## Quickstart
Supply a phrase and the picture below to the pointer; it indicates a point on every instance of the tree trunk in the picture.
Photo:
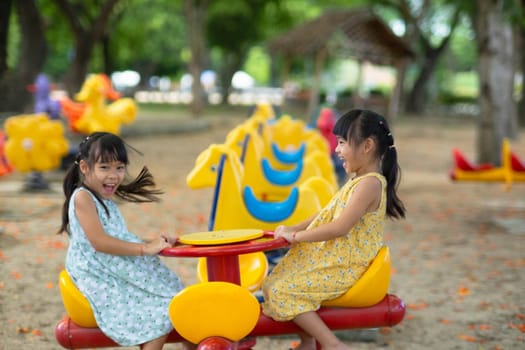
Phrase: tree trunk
(88, 31)
(496, 76)
(5, 15)
(395, 97)
(521, 35)
(417, 97)
(33, 50)
(79, 66)
(106, 55)
(230, 65)
(195, 11)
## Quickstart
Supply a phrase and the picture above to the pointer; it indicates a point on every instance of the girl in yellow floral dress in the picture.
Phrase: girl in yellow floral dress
(331, 251)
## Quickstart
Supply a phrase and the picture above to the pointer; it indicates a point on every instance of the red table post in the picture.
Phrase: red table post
(223, 268)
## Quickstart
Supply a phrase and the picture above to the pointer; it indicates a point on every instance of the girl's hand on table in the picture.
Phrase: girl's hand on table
(285, 232)
(170, 240)
(156, 245)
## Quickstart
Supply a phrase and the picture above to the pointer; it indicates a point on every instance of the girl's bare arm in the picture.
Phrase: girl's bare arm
(86, 212)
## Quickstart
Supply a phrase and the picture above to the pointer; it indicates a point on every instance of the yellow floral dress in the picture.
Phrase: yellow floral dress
(312, 272)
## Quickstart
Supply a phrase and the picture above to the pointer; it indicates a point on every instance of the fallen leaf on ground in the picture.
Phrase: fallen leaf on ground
(56, 244)
(468, 338)
(22, 330)
(463, 291)
(418, 306)
(520, 327)
(385, 330)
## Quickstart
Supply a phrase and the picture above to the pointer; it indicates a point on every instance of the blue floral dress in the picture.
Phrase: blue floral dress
(312, 272)
(129, 295)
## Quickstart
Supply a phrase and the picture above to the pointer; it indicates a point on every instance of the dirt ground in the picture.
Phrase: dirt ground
(458, 258)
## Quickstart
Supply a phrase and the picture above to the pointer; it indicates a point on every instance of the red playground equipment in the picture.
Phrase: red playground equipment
(5, 167)
(220, 314)
(511, 170)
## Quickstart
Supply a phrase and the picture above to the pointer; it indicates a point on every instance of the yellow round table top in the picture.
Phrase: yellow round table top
(220, 236)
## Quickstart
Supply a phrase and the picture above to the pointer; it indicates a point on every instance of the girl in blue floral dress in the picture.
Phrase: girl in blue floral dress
(125, 282)
(331, 251)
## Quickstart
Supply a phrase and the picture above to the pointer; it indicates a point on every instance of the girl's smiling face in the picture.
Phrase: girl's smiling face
(359, 157)
(348, 154)
(104, 177)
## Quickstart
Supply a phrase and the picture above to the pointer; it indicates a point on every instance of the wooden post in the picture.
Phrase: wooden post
(313, 102)
(395, 97)
(357, 101)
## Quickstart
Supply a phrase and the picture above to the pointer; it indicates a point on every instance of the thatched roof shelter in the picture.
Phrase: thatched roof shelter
(357, 33)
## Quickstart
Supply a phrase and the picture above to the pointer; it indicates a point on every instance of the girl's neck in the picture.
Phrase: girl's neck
(372, 168)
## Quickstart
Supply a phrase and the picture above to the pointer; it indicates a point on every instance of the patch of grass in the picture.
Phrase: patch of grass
(465, 84)
(165, 110)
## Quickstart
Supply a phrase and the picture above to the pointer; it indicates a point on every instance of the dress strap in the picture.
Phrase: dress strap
(377, 175)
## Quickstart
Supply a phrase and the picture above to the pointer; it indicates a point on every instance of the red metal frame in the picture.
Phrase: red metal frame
(387, 313)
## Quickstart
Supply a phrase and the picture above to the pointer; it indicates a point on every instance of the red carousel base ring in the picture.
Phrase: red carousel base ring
(387, 313)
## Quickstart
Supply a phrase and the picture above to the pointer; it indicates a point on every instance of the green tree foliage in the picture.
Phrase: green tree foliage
(428, 28)
(232, 28)
(90, 24)
(147, 36)
(59, 40)
(150, 38)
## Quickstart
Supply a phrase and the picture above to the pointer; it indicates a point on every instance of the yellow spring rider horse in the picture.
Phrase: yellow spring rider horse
(236, 206)
(97, 114)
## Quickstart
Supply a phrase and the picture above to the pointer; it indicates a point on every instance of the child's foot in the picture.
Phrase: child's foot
(306, 345)
(339, 346)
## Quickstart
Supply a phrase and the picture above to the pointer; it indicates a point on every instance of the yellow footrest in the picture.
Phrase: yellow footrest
(214, 309)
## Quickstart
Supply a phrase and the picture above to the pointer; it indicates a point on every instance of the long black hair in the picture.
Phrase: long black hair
(360, 124)
(105, 147)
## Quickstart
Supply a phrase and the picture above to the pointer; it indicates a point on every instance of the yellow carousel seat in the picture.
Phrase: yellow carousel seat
(76, 305)
(253, 268)
(210, 309)
(371, 288)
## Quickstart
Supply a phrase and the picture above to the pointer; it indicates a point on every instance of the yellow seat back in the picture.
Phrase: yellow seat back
(253, 268)
(371, 288)
(76, 305)
(214, 309)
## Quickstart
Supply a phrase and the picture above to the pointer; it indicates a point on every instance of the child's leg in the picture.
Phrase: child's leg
(312, 324)
(155, 344)
(188, 346)
(307, 342)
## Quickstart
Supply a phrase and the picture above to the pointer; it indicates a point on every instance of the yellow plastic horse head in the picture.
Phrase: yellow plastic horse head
(98, 115)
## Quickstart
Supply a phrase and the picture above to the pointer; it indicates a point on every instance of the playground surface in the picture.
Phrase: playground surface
(458, 258)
